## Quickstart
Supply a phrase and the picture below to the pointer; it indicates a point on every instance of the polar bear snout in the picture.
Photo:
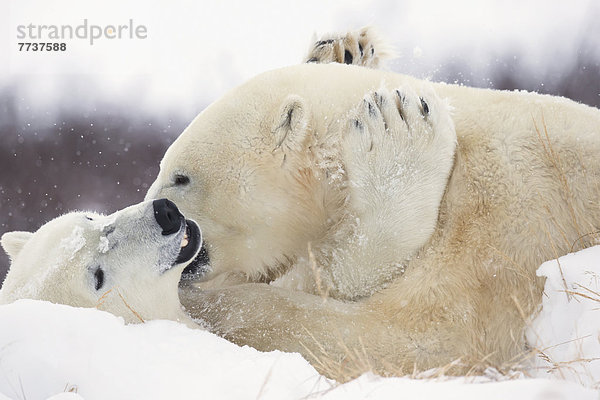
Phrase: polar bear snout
(172, 222)
(168, 216)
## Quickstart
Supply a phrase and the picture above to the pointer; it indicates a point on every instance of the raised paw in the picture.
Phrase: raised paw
(390, 118)
(391, 137)
(398, 149)
(363, 47)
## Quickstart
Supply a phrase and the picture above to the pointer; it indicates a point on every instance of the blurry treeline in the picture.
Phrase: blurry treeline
(52, 162)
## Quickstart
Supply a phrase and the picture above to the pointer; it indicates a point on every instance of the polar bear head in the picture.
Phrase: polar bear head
(246, 170)
(128, 263)
(260, 168)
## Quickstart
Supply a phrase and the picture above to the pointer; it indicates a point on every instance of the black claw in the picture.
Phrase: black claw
(313, 59)
(324, 42)
(372, 51)
(401, 97)
(371, 108)
(425, 107)
(360, 48)
(378, 99)
(402, 102)
(347, 57)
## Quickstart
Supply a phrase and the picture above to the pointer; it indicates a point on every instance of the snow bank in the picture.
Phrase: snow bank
(376, 388)
(47, 349)
(567, 330)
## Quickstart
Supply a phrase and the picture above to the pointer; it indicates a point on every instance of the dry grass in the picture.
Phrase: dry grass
(586, 236)
(103, 298)
(354, 363)
(553, 156)
(105, 295)
(588, 293)
(137, 315)
(70, 388)
(265, 382)
(592, 237)
(575, 365)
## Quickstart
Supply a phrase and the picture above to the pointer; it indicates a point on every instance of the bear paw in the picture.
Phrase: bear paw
(363, 47)
(384, 125)
(391, 138)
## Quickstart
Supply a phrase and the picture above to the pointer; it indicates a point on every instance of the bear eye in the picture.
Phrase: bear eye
(181, 180)
(99, 278)
(89, 218)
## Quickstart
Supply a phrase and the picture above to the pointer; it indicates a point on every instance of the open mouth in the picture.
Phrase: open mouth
(191, 242)
(199, 266)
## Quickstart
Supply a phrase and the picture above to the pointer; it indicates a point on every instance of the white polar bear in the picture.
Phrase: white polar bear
(128, 263)
(395, 244)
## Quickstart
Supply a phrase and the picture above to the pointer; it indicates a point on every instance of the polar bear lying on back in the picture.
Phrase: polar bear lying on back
(422, 231)
(128, 263)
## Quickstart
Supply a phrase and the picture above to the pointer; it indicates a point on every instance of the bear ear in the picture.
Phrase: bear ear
(13, 242)
(291, 125)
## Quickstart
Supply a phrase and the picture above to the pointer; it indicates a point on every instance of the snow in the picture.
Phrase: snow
(65, 353)
(567, 329)
(73, 243)
(103, 245)
(372, 387)
(51, 346)
(65, 396)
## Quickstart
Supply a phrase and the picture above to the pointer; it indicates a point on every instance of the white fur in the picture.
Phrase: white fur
(57, 264)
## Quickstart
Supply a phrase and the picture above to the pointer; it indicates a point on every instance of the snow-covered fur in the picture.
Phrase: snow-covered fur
(120, 263)
(381, 233)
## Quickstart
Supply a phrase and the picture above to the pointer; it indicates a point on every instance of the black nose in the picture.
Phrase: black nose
(168, 216)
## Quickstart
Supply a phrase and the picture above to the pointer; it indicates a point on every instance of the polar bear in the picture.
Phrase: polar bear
(371, 220)
(128, 263)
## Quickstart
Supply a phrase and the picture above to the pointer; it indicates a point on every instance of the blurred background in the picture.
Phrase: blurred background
(86, 128)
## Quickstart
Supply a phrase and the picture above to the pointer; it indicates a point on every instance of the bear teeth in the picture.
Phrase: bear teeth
(184, 241)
